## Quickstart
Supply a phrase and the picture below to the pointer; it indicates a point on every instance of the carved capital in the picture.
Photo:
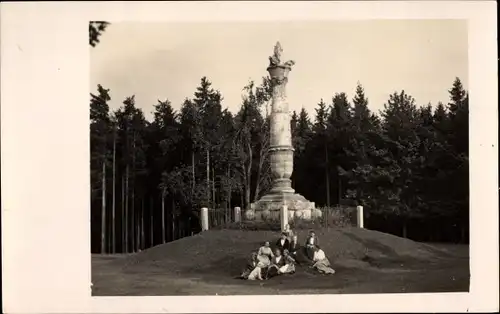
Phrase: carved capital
(279, 81)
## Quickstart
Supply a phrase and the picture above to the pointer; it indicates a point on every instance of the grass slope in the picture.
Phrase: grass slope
(366, 262)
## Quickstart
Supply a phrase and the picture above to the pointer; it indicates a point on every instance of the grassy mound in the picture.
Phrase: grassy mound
(224, 252)
(208, 263)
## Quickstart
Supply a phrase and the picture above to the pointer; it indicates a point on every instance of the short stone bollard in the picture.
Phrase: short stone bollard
(237, 214)
(359, 210)
(284, 217)
(204, 219)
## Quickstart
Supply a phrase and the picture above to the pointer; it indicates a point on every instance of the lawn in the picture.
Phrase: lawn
(208, 263)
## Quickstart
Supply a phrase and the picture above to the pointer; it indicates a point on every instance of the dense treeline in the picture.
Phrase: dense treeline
(408, 164)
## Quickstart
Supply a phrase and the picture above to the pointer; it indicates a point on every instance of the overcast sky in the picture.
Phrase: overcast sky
(167, 60)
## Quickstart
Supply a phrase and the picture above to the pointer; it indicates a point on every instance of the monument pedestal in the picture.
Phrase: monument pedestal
(269, 207)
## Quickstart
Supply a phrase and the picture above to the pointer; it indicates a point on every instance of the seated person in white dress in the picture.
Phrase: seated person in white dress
(321, 262)
(289, 267)
(265, 254)
(263, 259)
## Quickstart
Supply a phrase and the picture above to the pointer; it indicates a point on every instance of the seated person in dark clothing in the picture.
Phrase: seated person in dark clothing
(250, 267)
(277, 262)
(283, 243)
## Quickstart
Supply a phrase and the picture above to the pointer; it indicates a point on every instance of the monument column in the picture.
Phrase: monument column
(280, 152)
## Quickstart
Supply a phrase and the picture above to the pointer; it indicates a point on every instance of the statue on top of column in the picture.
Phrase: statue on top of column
(275, 59)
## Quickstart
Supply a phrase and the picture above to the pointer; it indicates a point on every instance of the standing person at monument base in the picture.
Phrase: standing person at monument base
(289, 233)
(294, 245)
(311, 244)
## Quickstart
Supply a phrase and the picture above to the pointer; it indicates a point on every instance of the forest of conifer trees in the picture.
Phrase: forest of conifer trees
(407, 164)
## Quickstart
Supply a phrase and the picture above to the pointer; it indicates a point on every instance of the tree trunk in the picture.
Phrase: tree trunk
(151, 215)
(208, 180)
(133, 213)
(213, 187)
(404, 229)
(248, 177)
(339, 187)
(193, 178)
(133, 217)
(327, 177)
(242, 200)
(229, 192)
(103, 209)
(113, 208)
(462, 233)
(259, 174)
(126, 208)
(143, 237)
(163, 216)
(173, 220)
(122, 221)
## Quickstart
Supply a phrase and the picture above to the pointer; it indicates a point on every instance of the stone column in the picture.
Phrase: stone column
(359, 212)
(204, 218)
(237, 214)
(284, 217)
(280, 151)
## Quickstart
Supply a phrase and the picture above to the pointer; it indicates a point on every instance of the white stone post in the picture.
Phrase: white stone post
(237, 214)
(359, 210)
(204, 219)
(284, 217)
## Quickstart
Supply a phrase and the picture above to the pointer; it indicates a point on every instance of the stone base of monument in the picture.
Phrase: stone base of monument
(269, 207)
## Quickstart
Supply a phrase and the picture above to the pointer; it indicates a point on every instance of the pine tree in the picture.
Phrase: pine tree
(319, 144)
(164, 137)
(113, 206)
(364, 151)
(459, 141)
(229, 180)
(132, 132)
(191, 139)
(96, 28)
(401, 120)
(293, 123)
(208, 101)
(100, 128)
(301, 137)
(248, 139)
(340, 130)
(263, 95)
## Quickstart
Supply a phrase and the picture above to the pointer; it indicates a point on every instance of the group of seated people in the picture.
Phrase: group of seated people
(268, 262)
